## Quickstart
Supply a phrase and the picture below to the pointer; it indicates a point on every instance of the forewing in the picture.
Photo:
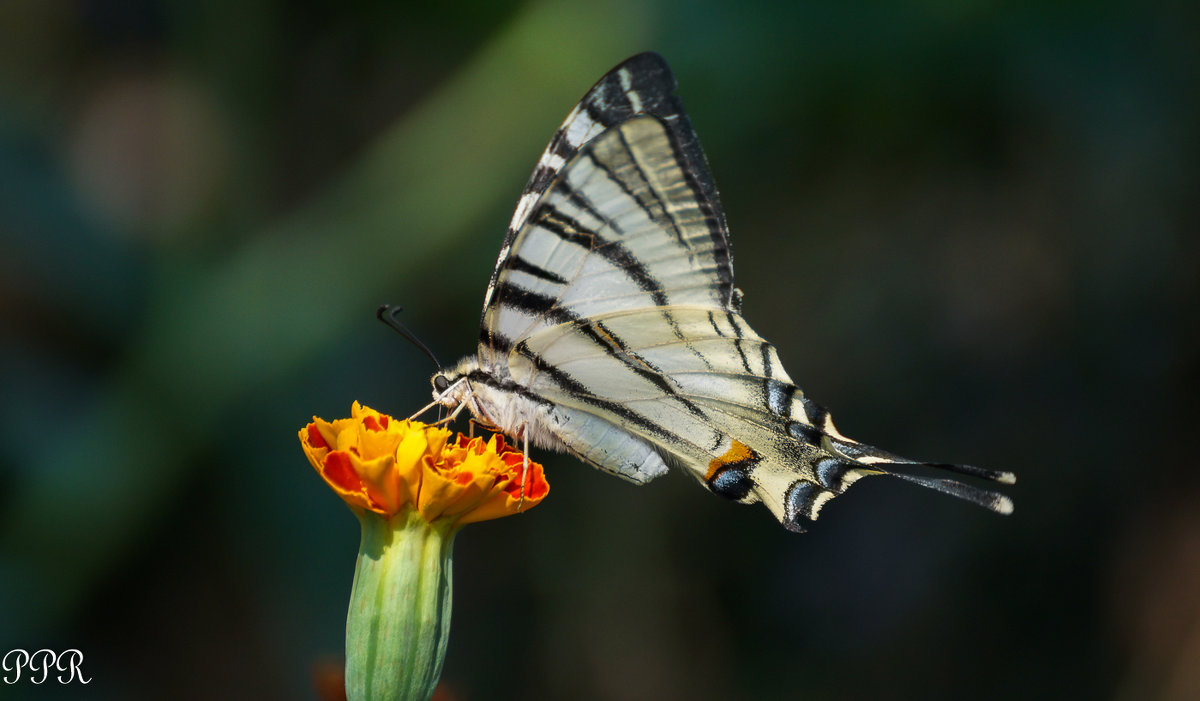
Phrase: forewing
(623, 226)
(641, 87)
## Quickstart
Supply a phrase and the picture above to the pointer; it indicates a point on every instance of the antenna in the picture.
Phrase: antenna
(387, 314)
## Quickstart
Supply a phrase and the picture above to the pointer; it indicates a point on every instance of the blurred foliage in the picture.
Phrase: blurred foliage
(970, 228)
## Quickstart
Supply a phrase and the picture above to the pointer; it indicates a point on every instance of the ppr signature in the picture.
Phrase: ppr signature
(38, 666)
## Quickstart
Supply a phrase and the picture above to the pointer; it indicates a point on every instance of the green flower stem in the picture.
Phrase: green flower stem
(399, 618)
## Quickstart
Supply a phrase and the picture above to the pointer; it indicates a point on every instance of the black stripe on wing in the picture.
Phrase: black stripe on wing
(533, 303)
(614, 252)
(650, 201)
(569, 385)
(699, 180)
(617, 348)
(520, 265)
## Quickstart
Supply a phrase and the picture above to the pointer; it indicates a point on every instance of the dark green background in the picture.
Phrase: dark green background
(969, 227)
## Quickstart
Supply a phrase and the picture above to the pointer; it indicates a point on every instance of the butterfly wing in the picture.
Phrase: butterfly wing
(640, 86)
(613, 307)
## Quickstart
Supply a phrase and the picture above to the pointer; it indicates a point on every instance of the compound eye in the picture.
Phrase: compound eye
(440, 383)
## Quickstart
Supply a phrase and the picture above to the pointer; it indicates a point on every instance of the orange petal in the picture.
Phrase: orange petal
(314, 437)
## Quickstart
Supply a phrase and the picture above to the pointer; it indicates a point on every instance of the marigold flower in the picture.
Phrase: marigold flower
(379, 464)
(412, 486)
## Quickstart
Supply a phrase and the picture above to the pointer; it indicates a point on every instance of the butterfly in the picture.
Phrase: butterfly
(612, 329)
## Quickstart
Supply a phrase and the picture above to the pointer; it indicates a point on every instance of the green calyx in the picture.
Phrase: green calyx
(399, 618)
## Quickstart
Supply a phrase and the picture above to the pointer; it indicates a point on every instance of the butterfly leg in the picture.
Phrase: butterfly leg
(437, 402)
(483, 425)
(453, 415)
(524, 465)
(423, 409)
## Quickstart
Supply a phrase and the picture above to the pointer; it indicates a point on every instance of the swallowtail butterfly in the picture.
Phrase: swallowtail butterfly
(612, 329)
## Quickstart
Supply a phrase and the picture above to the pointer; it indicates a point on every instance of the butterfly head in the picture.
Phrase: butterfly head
(451, 386)
(467, 385)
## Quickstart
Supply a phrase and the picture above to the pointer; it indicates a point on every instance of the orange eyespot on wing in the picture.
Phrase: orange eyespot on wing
(738, 453)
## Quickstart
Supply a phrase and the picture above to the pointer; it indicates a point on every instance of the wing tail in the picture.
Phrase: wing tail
(795, 499)
(986, 498)
(889, 463)
(836, 475)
